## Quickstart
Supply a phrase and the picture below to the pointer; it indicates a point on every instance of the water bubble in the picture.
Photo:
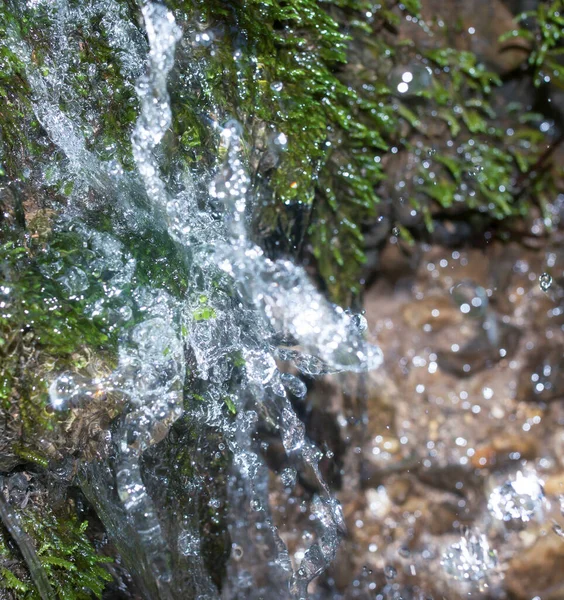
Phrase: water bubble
(294, 385)
(390, 572)
(50, 269)
(75, 281)
(259, 366)
(125, 312)
(545, 281)
(471, 298)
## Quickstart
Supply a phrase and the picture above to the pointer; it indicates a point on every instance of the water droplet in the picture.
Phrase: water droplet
(294, 385)
(281, 140)
(288, 477)
(471, 298)
(390, 572)
(545, 281)
(237, 552)
(75, 281)
(359, 324)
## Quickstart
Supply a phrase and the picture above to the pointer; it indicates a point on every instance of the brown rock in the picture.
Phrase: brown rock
(470, 26)
(438, 311)
(506, 443)
(538, 571)
(542, 378)
(554, 485)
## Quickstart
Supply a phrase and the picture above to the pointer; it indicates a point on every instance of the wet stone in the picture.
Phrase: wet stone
(482, 351)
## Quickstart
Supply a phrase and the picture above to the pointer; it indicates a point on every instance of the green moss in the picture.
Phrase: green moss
(18, 127)
(230, 405)
(73, 567)
(322, 74)
(543, 29)
(43, 332)
(312, 83)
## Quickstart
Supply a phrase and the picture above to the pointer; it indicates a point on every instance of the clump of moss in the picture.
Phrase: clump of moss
(42, 333)
(314, 85)
(18, 127)
(543, 29)
(74, 568)
(277, 73)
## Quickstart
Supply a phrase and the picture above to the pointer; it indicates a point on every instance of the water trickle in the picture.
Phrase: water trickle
(202, 363)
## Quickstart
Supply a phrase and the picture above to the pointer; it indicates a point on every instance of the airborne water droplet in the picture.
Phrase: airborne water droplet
(390, 572)
(545, 281)
(294, 385)
(288, 477)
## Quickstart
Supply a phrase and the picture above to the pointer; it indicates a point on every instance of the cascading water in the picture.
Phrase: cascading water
(203, 366)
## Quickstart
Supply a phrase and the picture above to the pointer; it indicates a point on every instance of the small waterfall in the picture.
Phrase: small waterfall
(199, 367)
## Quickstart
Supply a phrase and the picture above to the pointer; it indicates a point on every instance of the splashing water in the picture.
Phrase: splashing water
(471, 558)
(200, 364)
(520, 500)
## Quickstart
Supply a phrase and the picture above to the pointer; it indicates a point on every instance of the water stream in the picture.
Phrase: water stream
(201, 370)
